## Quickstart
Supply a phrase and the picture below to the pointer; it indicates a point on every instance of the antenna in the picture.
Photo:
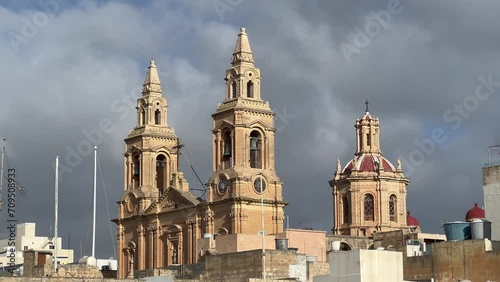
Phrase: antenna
(93, 221)
(56, 212)
(1, 174)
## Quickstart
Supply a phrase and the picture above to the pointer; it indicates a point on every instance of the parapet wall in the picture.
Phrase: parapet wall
(473, 260)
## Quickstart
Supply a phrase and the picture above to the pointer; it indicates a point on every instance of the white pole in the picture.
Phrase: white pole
(56, 211)
(263, 230)
(1, 175)
(93, 221)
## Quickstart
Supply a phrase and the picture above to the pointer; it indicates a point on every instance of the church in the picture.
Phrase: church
(161, 221)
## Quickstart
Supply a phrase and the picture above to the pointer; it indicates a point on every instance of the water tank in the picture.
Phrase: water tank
(88, 261)
(335, 245)
(480, 229)
(457, 231)
(281, 244)
(113, 265)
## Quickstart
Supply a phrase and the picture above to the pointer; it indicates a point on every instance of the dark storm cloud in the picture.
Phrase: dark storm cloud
(86, 64)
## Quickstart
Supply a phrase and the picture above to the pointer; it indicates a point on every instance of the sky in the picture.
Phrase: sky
(428, 68)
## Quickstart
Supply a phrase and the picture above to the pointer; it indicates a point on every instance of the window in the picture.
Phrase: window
(392, 207)
(143, 117)
(161, 166)
(345, 209)
(369, 210)
(368, 140)
(250, 89)
(255, 150)
(136, 171)
(157, 117)
(233, 89)
(227, 150)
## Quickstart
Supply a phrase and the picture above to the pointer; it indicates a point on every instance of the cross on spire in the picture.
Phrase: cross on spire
(366, 103)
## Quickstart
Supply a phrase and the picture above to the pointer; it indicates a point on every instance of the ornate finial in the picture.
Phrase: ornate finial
(339, 167)
(366, 103)
(242, 29)
(399, 164)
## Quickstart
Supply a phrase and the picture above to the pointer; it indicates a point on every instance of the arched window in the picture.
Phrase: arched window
(161, 169)
(345, 209)
(157, 117)
(227, 150)
(136, 176)
(345, 247)
(250, 89)
(143, 117)
(233, 89)
(392, 208)
(255, 150)
(369, 210)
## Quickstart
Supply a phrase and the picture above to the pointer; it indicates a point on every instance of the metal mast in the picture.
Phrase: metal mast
(1, 175)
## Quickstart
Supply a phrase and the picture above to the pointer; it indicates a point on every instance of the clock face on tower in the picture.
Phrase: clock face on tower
(222, 185)
(257, 184)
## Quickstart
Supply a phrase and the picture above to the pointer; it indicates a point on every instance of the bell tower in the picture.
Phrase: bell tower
(243, 152)
(153, 188)
(151, 155)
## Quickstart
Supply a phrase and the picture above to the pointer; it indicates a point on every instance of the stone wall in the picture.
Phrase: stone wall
(52, 279)
(418, 267)
(473, 260)
(391, 240)
(79, 271)
(245, 265)
(356, 243)
(316, 269)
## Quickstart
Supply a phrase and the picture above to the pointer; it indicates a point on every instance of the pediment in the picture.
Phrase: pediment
(164, 148)
(223, 124)
(133, 149)
(175, 199)
(260, 124)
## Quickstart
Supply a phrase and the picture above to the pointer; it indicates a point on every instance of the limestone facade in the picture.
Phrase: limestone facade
(160, 219)
(369, 193)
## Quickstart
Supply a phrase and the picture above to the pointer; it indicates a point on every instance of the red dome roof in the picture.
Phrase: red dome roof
(410, 220)
(475, 213)
(368, 162)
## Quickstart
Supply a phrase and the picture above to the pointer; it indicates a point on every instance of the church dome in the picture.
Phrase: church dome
(475, 213)
(410, 220)
(369, 162)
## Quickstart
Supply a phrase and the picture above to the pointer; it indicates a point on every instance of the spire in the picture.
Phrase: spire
(366, 103)
(242, 50)
(152, 81)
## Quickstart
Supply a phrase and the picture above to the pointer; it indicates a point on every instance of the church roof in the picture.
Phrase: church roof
(475, 213)
(368, 162)
(410, 220)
